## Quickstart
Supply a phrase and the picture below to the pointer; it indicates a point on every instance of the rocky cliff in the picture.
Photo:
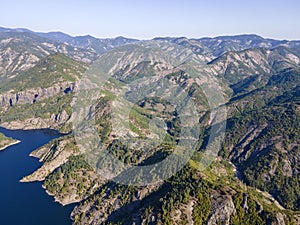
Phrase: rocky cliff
(35, 95)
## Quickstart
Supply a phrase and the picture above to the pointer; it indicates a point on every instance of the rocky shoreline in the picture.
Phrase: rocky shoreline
(63, 202)
(8, 145)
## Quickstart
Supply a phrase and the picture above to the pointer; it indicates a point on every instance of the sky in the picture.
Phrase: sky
(152, 18)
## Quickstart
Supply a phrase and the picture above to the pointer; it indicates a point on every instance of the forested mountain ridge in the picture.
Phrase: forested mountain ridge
(259, 79)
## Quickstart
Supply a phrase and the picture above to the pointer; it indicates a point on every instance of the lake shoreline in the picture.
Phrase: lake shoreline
(11, 144)
(56, 199)
(29, 199)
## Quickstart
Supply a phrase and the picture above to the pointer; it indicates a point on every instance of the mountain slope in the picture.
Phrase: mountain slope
(20, 51)
(85, 42)
(88, 42)
(254, 179)
(51, 70)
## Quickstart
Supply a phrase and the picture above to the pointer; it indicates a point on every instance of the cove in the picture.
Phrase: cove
(27, 203)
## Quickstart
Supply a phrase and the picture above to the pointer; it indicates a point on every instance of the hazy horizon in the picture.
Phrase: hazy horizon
(146, 20)
(226, 35)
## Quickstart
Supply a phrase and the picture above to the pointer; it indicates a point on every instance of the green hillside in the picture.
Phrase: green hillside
(253, 178)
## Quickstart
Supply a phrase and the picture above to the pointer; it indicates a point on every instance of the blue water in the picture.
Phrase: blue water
(27, 203)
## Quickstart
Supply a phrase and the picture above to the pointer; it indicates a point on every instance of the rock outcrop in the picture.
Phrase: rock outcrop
(59, 156)
(222, 208)
(34, 95)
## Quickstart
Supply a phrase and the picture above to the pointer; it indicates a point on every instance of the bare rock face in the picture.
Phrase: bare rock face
(14, 62)
(222, 208)
(279, 219)
(27, 124)
(38, 123)
(32, 96)
(62, 117)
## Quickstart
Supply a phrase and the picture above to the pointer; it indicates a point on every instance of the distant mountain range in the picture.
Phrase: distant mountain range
(86, 42)
(216, 45)
(33, 45)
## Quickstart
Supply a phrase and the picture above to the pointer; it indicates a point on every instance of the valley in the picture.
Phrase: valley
(221, 116)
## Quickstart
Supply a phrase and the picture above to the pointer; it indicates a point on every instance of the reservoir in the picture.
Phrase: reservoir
(27, 203)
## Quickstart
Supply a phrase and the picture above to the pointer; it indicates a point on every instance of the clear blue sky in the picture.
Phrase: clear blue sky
(147, 19)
